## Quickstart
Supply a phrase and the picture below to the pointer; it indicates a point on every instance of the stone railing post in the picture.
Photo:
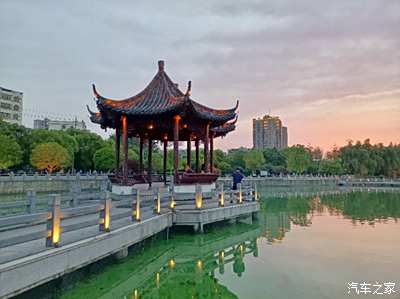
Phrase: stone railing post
(222, 196)
(172, 203)
(105, 215)
(198, 197)
(157, 205)
(31, 201)
(74, 194)
(54, 222)
(240, 196)
(103, 188)
(255, 192)
(136, 207)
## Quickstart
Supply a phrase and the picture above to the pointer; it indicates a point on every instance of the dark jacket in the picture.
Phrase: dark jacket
(237, 179)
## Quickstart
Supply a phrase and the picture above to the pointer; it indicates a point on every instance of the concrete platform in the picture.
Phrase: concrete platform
(200, 217)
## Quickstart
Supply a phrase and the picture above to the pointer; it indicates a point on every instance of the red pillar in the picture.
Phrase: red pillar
(177, 119)
(196, 143)
(189, 152)
(165, 161)
(125, 148)
(212, 153)
(206, 149)
(117, 147)
(141, 155)
(150, 166)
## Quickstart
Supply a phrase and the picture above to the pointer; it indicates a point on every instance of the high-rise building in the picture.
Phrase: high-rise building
(58, 125)
(11, 105)
(268, 132)
(284, 141)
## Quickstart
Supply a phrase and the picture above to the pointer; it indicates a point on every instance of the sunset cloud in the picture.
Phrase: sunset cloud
(330, 69)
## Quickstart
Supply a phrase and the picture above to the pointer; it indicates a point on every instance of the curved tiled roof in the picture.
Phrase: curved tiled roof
(161, 96)
(224, 129)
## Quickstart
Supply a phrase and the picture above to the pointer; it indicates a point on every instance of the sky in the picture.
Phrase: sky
(329, 69)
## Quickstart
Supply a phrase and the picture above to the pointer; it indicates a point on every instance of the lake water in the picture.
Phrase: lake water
(310, 247)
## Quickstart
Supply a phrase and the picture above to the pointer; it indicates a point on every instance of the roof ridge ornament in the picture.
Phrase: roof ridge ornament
(189, 89)
(90, 111)
(95, 91)
(161, 65)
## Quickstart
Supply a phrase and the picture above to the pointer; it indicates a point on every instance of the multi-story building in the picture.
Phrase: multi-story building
(284, 141)
(11, 105)
(268, 132)
(58, 125)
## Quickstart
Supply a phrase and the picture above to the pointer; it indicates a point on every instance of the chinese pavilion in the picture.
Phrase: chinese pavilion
(162, 112)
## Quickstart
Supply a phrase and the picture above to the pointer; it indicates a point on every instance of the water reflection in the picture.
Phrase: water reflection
(190, 270)
(187, 266)
(364, 207)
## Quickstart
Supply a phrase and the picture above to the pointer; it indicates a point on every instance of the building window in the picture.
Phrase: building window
(5, 105)
(6, 97)
(16, 108)
(15, 116)
(5, 115)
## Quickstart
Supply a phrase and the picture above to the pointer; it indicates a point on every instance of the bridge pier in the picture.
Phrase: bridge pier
(232, 220)
(123, 253)
(198, 228)
(254, 215)
(246, 219)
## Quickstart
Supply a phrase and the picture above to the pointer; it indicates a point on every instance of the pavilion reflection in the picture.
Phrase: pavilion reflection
(189, 266)
(277, 216)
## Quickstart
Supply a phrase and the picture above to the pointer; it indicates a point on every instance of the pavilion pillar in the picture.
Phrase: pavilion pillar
(196, 143)
(165, 161)
(176, 145)
(117, 147)
(125, 148)
(212, 153)
(189, 153)
(206, 149)
(141, 155)
(149, 161)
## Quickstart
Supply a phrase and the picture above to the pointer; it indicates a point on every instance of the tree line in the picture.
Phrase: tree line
(28, 149)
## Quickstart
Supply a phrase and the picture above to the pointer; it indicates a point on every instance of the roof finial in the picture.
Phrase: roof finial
(161, 65)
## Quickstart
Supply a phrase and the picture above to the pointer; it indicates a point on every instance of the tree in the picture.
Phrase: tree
(50, 156)
(236, 158)
(253, 159)
(21, 135)
(298, 158)
(104, 159)
(10, 152)
(88, 144)
(61, 137)
(221, 161)
(330, 166)
(275, 160)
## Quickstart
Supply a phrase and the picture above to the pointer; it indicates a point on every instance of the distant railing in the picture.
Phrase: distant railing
(47, 176)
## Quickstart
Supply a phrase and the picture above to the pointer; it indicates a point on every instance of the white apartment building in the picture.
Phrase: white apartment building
(11, 105)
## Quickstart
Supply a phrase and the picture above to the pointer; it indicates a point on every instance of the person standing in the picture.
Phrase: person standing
(237, 178)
